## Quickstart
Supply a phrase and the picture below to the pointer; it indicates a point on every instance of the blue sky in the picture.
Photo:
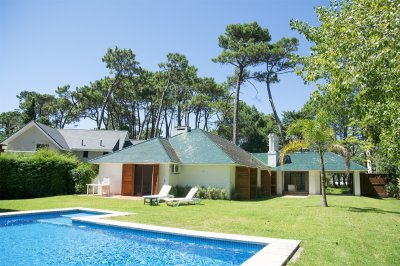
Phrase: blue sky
(50, 43)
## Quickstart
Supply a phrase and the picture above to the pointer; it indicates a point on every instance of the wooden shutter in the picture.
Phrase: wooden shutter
(127, 179)
(156, 170)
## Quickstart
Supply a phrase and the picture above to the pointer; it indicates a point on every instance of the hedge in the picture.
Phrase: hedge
(212, 193)
(44, 173)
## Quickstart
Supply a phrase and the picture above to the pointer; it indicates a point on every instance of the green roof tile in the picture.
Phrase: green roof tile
(151, 151)
(196, 147)
(306, 161)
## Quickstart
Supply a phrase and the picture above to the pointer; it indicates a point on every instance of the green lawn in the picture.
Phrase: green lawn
(352, 231)
(338, 191)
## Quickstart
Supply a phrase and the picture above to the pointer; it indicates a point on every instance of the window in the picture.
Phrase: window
(42, 146)
(85, 154)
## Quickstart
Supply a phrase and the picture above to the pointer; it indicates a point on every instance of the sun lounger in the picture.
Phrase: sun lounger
(156, 198)
(188, 199)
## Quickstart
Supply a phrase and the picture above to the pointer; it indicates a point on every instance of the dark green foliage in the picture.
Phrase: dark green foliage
(203, 192)
(10, 122)
(82, 175)
(30, 113)
(393, 187)
(254, 128)
(45, 173)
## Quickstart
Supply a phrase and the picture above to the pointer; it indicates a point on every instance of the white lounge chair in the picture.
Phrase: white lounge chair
(188, 199)
(162, 195)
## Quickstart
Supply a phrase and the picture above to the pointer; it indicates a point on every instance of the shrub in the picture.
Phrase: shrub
(393, 188)
(82, 175)
(44, 173)
(202, 192)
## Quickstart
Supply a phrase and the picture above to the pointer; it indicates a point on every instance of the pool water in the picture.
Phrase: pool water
(54, 239)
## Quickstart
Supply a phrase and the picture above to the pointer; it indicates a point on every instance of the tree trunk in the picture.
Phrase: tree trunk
(236, 107)
(137, 131)
(271, 101)
(179, 115)
(145, 122)
(322, 169)
(103, 108)
(166, 124)
(196, 120)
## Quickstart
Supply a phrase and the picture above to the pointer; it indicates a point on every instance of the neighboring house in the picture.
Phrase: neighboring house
(85, 144)
(195, 157)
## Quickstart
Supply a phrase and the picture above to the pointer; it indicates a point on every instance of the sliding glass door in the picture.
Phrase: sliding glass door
(296, 182)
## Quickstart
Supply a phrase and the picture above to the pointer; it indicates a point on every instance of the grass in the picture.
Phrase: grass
(352, 231)
(338, 190)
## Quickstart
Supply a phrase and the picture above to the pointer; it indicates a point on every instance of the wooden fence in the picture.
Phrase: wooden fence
(373, 185)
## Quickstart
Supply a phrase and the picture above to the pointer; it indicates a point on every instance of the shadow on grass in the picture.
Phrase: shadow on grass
(371, 210)
(256, 199)
(7, 210)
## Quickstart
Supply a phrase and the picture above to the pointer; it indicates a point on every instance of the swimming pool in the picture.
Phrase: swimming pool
(55, 239)
(80, 237)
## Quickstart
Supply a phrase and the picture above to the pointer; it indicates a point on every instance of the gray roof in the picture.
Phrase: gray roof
(94, 139)
(194, 147)
(54, 134)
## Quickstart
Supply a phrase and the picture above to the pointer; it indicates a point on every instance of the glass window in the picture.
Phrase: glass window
(85, 154)
(42, 146)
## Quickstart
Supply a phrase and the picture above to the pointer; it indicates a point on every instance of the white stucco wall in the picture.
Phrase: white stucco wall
(28, 140)
(114, 172)
(314, 180)
(204, 175)
(356, 183)
(279, 183)
(163, 175)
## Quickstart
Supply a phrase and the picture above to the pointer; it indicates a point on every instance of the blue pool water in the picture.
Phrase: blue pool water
(54, 239)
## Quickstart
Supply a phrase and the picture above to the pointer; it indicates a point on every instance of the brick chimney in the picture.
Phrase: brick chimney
(273, 152)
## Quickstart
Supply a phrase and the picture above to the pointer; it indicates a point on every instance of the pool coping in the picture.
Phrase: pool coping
(277, 251)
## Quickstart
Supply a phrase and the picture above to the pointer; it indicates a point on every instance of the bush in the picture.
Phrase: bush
(44, 173)
(393, 188)
(202, 192)
(82, 175)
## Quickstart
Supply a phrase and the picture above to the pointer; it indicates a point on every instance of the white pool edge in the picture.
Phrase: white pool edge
(277, 251)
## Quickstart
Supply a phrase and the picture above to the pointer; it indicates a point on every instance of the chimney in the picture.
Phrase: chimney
(180, 130)
(101, 143)
(82, 143)
(273, 153)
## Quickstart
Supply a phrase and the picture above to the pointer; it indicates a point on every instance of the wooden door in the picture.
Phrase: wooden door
(266, 182)
(273, 183)
(156, 170)
(253, 183)
(128, 171)
(242, 182)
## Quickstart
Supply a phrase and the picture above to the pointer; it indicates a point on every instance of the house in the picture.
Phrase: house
(189, 158)
(85, 144)
(300, 173)
(195, 157)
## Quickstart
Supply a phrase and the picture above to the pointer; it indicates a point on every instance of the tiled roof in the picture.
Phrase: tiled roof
(150, 151)
(194, 147)
(306, 161)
